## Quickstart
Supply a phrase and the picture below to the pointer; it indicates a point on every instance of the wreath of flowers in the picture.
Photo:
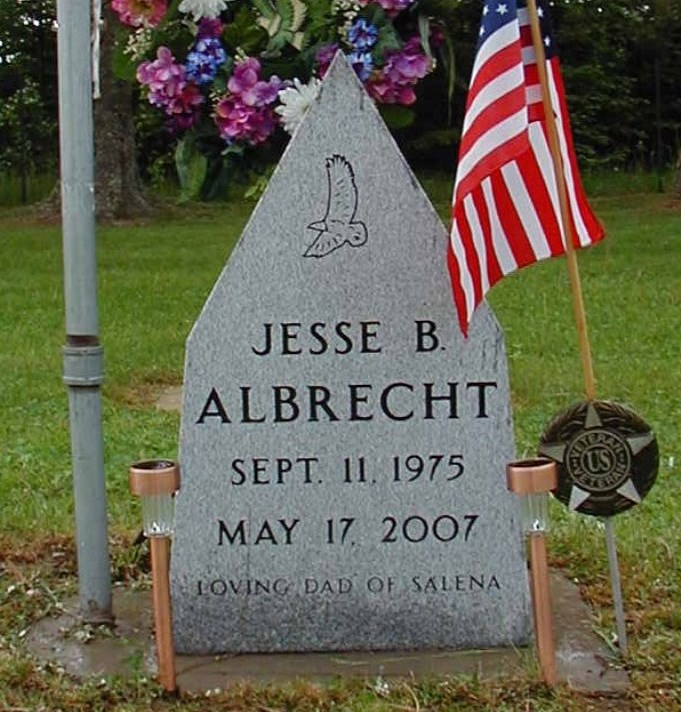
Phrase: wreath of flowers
(243, 68)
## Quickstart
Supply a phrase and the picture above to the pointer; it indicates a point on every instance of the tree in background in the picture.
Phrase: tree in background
(119, 192)
(614, 54)
(595, 41)
(29, 113)
(661, 47)
(28, 89)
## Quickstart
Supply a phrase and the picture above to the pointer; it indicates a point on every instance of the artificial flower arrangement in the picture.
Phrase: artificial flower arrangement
(236, 70)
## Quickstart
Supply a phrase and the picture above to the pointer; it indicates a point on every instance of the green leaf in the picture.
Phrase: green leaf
(397, 117)
(450, 69)
(191, 169)
(264, 8)
(320, 25)
(424, 32)
(123, 67)
(244, 32)
(299, 14)
(285, 11)
(283, 26)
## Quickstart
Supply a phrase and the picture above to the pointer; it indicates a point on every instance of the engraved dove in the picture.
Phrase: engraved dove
(338, 226)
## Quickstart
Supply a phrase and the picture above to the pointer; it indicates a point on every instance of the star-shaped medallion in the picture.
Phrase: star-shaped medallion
(607, 457)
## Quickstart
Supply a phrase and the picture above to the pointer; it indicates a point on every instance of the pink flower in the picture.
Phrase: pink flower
(268, 92)
(184, 105)
(391, 7)
(140, 13)
(244, 80)
(164, 77)
(246, 112)
(169, 88)
(245, 83)
(238, 121)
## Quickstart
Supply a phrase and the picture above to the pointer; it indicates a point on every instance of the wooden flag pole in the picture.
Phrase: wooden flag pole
(577, 298)
(554, 145)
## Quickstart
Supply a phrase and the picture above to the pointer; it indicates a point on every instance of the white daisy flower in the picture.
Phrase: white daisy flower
(295, 101)
(203, 8)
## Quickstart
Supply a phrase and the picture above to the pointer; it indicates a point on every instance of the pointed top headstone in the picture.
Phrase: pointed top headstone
(343, 449)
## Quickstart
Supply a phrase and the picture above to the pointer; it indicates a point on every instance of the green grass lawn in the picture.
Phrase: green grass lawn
(153, 280)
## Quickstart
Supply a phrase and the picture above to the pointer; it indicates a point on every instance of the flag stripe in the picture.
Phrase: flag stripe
(505, 63)
(507, 35)
(507, 262)
(454, 265)
(489, 162)
(528, 212)
(490, 117)
(492, 267)
(587, 229)
(463, 292)
(520, 247)
(470, 251)
(544, 164)
(478, 242)
(508, 85)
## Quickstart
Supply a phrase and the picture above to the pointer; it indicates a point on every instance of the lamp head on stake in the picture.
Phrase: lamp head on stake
(607, 457)
(533, 480)
(156, 482)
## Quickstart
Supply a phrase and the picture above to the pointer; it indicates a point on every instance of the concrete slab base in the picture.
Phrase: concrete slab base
(583, 661)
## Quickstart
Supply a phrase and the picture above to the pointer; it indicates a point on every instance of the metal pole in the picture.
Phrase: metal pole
(616, 587)
(83, 356)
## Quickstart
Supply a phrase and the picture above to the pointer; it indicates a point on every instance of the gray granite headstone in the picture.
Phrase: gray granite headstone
(343, 448)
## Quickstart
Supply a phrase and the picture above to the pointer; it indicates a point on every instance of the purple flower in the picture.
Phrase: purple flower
(362, 63)
(402, 70)
(362, 35)
(323, 58)
(205, 59)
(209, 28)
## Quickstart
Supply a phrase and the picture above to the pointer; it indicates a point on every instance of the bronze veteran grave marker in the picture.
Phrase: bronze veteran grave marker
(343, 449)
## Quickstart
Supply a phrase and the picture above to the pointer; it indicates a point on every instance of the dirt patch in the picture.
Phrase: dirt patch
(162, 395)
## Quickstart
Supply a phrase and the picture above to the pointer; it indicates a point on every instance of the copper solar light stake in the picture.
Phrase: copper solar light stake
(156, 481)
(533, 480)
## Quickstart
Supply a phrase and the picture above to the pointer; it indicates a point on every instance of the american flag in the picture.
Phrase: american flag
(506, 211)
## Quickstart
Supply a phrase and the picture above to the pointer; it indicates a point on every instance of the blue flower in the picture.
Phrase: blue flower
(204, 60)
(362, 35)
(362, 63)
